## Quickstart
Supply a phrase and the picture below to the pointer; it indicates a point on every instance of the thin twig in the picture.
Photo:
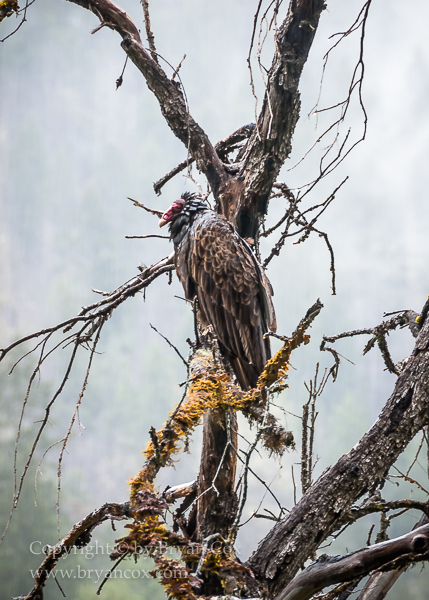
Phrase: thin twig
(149, 34)
(185, 362)
(305, 227)
(178, 68)
(103, 308)
(355, 83)
(249, 64)
(44, 421)
(409, 479)
(75, 411)
(145, 237)
(23, 20)
(152, 211)
(235, 526)
(378, 333)
(109, 573)
(120, 79)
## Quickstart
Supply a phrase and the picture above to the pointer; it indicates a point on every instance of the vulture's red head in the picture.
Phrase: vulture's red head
(174, 211)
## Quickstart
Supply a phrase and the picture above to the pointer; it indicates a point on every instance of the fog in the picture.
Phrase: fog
(73, 149)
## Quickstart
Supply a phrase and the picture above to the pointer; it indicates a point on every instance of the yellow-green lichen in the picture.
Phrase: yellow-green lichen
(7, 8)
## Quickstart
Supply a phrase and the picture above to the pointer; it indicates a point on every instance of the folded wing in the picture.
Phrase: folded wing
(234, 295)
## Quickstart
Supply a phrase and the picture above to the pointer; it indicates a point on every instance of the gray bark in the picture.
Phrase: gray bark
(325, 572)
(242, 197)
(325, 506)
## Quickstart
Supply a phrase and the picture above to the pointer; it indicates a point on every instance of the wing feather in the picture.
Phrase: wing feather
(234, 294)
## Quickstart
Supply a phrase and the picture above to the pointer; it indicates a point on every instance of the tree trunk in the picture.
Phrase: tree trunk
(217, 507)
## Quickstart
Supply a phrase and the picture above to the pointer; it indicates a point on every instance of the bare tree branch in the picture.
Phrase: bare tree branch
(152, 211)
(80, 536)
(167, 91)
(379, 332)
(242, 187)
(411, 547)
(381, 582)
(362, 469)
(103, 308)
(223, 149)
(270, 144)
(149, 34)
(9, 8)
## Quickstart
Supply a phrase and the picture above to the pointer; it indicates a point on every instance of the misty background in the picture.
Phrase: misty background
(72, 149)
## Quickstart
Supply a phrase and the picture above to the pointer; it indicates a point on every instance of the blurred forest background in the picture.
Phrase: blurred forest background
(72, 149)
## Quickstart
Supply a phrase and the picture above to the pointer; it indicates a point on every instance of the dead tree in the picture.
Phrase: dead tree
(242, 173)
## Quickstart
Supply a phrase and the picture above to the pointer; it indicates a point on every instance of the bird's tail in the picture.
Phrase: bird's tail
(246, 373)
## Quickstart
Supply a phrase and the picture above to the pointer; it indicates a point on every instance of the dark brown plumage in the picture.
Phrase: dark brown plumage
(217, 266)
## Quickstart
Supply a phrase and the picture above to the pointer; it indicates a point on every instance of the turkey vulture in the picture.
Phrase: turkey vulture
(215, 265)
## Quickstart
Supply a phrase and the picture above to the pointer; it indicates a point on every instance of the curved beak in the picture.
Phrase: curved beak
(162, 222)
